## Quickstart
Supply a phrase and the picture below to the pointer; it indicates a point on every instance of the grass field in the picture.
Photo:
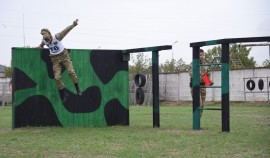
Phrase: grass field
(249, 136)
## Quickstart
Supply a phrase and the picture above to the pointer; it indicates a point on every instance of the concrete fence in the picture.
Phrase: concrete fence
(175, 87)
(5, 93)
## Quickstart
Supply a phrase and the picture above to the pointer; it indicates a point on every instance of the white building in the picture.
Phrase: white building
(5, 95)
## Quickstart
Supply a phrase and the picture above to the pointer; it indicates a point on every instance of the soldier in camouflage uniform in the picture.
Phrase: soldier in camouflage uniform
(59, 56)
(203, 70)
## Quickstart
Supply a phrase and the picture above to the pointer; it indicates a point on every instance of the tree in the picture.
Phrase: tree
(181, 65)
(168, 66)
(243, 53)
(141, 64)
(214, 55)
(8, 72)
(173, 66)
(266, 63)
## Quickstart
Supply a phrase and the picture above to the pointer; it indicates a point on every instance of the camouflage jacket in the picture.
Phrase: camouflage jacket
(59, 36)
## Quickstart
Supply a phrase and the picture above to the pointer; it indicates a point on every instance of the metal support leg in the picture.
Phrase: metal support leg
(155, 85)
(225, 88)
(196, 88)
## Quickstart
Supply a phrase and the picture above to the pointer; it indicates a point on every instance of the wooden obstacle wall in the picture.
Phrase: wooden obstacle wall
(103, 80)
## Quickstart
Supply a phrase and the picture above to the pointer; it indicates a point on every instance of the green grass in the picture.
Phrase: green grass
(249, 136)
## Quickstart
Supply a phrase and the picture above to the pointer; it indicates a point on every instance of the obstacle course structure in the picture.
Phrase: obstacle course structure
(155, 77)
(225, 103)
(103, 78)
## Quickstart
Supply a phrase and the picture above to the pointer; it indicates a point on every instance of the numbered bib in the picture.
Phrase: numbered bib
(55, 47)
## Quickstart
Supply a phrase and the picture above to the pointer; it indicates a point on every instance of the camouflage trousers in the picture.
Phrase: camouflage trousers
(58, 61)
(202, 97)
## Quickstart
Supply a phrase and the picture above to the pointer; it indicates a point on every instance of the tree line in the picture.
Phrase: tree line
(140, 62)
(143, 64)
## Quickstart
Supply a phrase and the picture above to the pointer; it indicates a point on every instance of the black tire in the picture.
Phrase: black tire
(252, 85)
(140, 80)
(260, 84)
(139, 96)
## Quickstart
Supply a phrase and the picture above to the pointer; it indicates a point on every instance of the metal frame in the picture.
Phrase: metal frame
(225, 103)
(155, 75)
(248, 91)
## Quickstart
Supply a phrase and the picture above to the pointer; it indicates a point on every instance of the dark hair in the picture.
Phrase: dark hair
(201, 50)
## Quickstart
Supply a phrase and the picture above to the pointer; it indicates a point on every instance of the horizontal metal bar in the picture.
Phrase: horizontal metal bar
(147, 49)
(210, 64)
(251, 45)
(257, 92)
(230, 40)
(256, 77)
(210, 86)
(209, 108)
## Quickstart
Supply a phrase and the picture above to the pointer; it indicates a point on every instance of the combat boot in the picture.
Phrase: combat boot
(78, 89)
(63, 95)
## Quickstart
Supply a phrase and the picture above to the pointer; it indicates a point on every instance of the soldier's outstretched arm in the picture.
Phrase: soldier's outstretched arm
(59, 36)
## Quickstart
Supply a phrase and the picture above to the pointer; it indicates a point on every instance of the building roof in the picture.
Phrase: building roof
(2, 68)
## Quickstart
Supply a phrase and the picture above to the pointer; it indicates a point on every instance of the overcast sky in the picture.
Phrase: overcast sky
(126, 24)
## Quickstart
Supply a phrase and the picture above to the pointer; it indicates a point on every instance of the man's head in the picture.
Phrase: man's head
(201, 55)
(46, 34)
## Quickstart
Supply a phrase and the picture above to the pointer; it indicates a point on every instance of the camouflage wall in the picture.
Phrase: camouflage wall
(103, 79)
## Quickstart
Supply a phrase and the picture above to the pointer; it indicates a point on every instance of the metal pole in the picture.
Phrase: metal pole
(196, 88)
(178, 86)
(172, 47)
(12, 94)
(225, 103)
(155, 85)
(172, 53)
(245, 91)
(23, 32)
(268, 86)
(166, 88)
(213, 90)
(251, 45)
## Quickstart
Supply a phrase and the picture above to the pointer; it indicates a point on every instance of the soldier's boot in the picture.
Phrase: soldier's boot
(63, 95)
(78, 89)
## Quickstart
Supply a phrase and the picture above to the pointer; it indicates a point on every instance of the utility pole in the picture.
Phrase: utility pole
(23, 32)
(172, 48)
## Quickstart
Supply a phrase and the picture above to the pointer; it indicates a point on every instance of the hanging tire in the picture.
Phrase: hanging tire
(140, 80)
(139, 96)
(252, 86)
(260, 84)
